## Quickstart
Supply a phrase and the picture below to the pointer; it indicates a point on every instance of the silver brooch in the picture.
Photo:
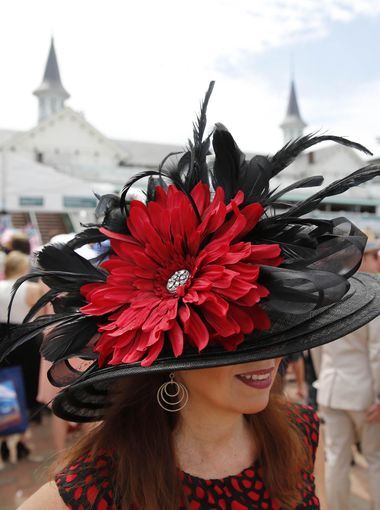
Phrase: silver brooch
(177, 279)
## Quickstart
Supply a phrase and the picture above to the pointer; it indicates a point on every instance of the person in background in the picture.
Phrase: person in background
(11, 240)
(311, 371)
(349, 397)
(16, 241)
(297, 366)
(20, 242)
(26, 355)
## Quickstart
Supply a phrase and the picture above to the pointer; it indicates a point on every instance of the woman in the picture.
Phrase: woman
(216, 435)
(204, 290)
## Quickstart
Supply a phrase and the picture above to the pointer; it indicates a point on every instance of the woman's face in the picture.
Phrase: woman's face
(242, 388)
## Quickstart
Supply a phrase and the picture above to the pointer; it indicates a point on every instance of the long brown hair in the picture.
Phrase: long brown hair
(139, 435)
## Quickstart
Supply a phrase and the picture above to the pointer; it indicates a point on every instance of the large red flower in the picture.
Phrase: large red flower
(175, 279)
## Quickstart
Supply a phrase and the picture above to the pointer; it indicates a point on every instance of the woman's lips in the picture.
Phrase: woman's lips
(260, 379)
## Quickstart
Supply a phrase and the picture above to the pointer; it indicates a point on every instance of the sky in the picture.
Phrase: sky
(139, 69)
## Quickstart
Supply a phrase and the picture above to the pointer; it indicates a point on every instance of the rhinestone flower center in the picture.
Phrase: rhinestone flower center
(177, 279)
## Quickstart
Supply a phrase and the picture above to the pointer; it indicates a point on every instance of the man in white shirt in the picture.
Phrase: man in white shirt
(349, 397)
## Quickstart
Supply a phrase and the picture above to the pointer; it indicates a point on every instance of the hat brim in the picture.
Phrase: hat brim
(87, 399)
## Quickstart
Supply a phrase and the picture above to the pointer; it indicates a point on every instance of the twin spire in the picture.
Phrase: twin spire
(51, 93)
(293, 124)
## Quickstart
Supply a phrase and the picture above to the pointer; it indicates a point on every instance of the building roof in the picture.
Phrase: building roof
(147, 154)
(25, 176)
(8, 134)
(51, 81)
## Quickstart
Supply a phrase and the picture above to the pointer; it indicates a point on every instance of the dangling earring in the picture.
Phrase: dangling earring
(172, 396)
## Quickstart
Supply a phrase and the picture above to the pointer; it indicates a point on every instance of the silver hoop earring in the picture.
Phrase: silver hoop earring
(172, 396)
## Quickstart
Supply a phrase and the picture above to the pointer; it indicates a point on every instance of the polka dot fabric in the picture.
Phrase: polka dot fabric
(86, 484)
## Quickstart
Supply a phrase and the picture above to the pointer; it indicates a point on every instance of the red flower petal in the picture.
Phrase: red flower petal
(242, 317)
(231, 343)
(252, 214)
(223, 325)
(196, 330)
(153, 352)
(260, 318)
(161, 315)
(175, 335)
(201, 196)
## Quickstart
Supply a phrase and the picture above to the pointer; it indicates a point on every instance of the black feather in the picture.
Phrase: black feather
(43, 301)
(234, 173)
(292, 149)
(307, 182)
(105, 203)
(112, 217)
(88, 236)
(256, 179)
(69, 337)
(18, 335)
(336, 188)
(54, 257)
(227, 164)
(153, 182)
(198, 171)
(200, 125)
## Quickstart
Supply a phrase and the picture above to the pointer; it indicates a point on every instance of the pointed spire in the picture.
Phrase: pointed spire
(51, 93)
(293, 109)
(293, 124)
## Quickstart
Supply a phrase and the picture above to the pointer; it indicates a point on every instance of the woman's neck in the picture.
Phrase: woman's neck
(213, 442)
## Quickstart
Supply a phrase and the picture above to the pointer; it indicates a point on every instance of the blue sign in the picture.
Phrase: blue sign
(13, 410)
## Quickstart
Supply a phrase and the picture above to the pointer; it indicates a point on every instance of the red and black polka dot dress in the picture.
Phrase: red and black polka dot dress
(90, 488)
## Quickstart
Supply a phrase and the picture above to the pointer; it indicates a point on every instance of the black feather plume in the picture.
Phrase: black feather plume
(54, 257)
(292, 149)
(88, 236)
(307, 182)
(18, 335)
(232, 172)
(336, 188)
(69, 337)
(153, 182)
(199, 149)
(227, 164)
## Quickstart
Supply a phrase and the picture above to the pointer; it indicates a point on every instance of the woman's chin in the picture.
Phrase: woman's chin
(253, 406)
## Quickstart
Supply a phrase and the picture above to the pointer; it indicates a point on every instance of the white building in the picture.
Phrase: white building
(49, 173)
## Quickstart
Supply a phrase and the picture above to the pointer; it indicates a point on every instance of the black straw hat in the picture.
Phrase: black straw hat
(87, 399)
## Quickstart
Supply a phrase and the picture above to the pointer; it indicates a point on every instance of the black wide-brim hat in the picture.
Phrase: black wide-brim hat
(87, 399)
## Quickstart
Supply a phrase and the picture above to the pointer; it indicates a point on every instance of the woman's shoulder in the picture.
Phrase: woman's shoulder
(46, 497)
(304, 413)
(87, 482)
